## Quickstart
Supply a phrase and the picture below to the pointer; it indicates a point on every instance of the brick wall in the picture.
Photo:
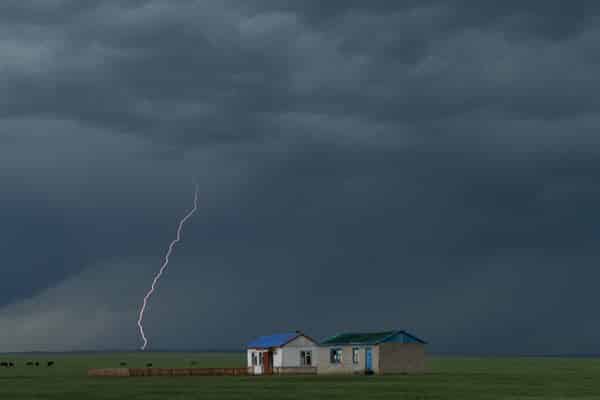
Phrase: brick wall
(395, 358)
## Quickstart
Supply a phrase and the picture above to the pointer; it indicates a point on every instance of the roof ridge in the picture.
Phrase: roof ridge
(274, 340)
(372, 338)
(391, 335)
(330, 337)
(413, 336)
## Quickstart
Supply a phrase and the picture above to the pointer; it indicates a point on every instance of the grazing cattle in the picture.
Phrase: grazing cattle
(29, 363)
(37, 363)
(11, 364)
(3, 364)
(123, 364)
(50, 363)
(149, 365)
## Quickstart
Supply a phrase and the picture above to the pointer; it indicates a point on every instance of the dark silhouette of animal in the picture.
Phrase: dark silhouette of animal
(50, 363)
(3, 364)
(149, 365)
(123, 364)
(29, 363)
(37, 363)
(11, 364)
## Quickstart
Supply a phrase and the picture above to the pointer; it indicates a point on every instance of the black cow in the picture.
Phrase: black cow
(123, 364)
(149, 365)
(29, 363)
(50, 363)
(11, 364)
(3, 364)
(37, 363)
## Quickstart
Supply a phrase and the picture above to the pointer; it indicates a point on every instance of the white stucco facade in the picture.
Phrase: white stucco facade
(292, 353)
(300, 352)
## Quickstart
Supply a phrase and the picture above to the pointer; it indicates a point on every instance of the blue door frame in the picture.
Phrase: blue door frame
(368, 359)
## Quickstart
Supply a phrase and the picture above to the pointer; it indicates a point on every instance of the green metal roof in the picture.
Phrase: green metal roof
(366, 338)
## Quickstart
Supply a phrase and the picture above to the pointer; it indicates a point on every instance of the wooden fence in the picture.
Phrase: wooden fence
(135, 372)
(109, 372)
(294, 371)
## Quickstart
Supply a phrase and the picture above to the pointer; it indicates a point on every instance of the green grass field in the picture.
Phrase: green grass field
(449, 378)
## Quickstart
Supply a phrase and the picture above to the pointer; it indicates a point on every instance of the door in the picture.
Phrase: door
(368, 359)
(257, 363)
(267, 362)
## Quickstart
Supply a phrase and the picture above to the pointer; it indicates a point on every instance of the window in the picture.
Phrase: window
(306, 358)
(335, 356)
(355, 355)
(254, 358)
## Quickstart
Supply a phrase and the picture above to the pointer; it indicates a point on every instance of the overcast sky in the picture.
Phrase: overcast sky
(363, 165)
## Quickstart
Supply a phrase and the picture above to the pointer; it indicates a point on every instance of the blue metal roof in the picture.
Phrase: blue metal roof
(276, 340)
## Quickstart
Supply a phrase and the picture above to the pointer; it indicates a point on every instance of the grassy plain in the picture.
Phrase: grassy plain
(448, 378)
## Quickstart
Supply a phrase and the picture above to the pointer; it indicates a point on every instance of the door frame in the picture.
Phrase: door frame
(258, 368)
(368, 359)
(267, 365)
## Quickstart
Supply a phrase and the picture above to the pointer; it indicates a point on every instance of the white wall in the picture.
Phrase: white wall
(278, 357)
(291, 352)
(287, 356)
(257, 369)
(249, 357)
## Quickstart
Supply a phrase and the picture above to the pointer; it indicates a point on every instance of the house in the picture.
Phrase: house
(283, 353)
(371, 352)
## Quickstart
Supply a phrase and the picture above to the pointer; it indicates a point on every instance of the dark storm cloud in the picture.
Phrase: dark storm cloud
(147, 68)
(417, 164)
(550, 19)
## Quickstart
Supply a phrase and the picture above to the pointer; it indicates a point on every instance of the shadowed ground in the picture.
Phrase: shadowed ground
(449, 378)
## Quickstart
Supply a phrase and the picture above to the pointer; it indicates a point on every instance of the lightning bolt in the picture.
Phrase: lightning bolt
(157, 277)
